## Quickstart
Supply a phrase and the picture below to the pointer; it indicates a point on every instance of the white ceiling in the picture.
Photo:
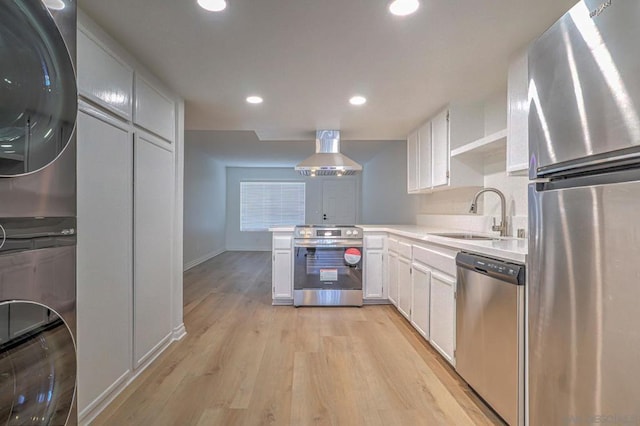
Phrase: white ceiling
(244, 149)
(308, 57)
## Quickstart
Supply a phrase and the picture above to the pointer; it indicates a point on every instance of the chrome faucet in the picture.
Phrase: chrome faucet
(503, 224)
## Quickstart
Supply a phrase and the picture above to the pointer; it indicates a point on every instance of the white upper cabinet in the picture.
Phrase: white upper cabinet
(440, 143)
(419, 160)
(424, 155)
(154, 111)
(438, 168)
(103, 78)
(518, 134)
(413, 157)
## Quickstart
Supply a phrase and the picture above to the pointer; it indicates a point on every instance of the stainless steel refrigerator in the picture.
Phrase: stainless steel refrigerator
(584, 207)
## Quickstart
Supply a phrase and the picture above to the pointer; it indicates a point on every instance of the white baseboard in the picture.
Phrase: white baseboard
(179, 332)
(202, 259)
(282, 302)
(376, 302)
(94, 409)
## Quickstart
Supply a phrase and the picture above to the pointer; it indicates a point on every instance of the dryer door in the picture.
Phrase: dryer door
(37, 88)
(37, 365)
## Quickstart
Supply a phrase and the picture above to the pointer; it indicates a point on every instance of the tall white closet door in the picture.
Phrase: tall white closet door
(105, 169)
(153, 201)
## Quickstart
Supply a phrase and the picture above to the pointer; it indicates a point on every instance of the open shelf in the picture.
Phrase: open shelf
(490, 143)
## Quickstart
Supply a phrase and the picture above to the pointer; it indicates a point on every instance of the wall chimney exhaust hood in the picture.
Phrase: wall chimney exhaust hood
(328, 161)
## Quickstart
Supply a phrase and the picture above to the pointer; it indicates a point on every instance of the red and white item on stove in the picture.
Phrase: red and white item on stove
(352, 256)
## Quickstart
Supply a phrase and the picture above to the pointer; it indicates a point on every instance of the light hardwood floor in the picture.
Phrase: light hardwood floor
(245, 362)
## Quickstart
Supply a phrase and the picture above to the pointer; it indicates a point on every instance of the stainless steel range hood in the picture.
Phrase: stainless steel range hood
(328, 161)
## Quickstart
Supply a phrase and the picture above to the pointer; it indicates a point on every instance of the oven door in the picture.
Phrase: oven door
(328, 275)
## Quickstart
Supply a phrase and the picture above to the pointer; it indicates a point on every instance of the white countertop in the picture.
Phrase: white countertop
(511, 249)
(508, 248)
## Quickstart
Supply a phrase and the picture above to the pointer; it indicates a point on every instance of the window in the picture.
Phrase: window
(267, 204)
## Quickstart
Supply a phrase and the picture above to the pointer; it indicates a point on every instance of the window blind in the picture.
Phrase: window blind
(268, 204)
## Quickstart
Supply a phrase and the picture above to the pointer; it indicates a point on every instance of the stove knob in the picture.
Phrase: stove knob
(349, 232)
(307, 233)
(355, 232)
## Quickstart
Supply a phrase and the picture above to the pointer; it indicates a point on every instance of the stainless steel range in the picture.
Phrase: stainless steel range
(327, 266)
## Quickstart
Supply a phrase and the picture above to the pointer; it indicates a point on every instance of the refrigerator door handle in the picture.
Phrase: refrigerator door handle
(609, 178)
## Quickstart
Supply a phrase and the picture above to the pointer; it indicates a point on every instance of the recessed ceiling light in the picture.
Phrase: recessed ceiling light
(403, 7)
(358, 100)
(213, 5)
(254, 99)
(54, 4)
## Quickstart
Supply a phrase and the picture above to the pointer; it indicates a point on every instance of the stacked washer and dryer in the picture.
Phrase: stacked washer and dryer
(38, 108)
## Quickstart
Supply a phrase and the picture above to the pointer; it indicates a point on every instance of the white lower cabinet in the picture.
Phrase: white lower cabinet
(392, 277)
(420, 306)
(373, 284)
(404, 286)
(374, 267)
(282, 268)
(443, 314)
(422, 285)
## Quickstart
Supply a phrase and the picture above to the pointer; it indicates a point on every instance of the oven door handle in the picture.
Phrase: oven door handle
(327, 243)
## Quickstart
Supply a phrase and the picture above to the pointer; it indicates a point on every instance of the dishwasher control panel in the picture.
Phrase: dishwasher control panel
(506, 271)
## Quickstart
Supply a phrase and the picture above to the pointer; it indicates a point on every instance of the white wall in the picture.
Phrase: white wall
(514, 189)
(384, 188)
(237, 240)
(457, 202)
(204, 205)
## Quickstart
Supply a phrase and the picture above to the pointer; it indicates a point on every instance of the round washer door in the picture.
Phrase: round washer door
(37, 88)
(37, 365)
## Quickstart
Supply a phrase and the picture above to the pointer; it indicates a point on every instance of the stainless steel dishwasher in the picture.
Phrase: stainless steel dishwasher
(490, 332)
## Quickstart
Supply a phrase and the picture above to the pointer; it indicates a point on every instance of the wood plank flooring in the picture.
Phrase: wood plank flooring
(245, 362)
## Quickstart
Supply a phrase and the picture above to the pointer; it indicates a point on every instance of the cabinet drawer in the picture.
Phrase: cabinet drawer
(439, 258)
(404, 249)
(393, 245)
(375, 242)
(281, 242)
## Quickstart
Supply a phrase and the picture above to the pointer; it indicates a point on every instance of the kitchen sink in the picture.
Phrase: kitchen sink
(460, 236)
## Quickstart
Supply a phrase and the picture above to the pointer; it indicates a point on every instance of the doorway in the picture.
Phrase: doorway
(339, 202)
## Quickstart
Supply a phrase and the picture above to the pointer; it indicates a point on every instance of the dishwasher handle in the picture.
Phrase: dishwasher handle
(512, 273)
